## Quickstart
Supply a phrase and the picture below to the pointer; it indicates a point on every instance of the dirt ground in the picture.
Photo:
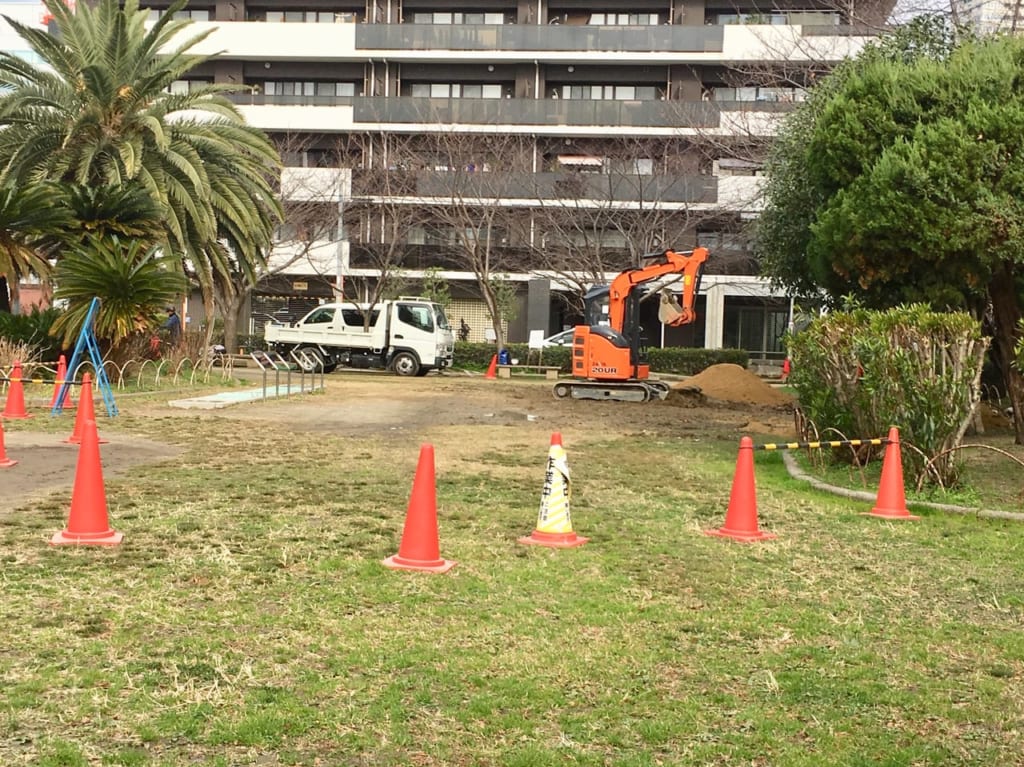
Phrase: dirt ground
(731, 402)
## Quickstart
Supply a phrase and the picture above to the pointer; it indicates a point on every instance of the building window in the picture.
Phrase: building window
(308, 88)
(610, 92)
(624, 19)
(755, 93)
(196, 15)
(303, 17)
(456, 91)
(458, 18)
(184, 87)
(309, 158)
(715, 240)
(806, 18)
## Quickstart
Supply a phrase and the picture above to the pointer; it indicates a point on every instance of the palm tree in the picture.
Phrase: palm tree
(132, 279)
(28, 215)
(98, 111)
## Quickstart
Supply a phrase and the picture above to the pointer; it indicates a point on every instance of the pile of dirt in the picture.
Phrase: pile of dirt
(733, 383)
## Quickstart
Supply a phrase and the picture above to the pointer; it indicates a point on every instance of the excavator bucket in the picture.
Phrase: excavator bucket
(669, 311)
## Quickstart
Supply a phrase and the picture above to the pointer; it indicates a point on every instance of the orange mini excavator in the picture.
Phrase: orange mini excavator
(609, 360)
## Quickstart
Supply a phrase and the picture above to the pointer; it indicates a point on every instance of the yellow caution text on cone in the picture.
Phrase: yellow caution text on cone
(891, 502)
(554, 523)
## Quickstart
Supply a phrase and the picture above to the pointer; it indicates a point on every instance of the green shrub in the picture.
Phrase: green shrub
(677, 360)
(860, 372)
(33, 330)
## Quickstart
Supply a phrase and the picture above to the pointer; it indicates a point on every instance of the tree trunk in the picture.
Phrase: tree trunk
(1006, 313)
(231, 323)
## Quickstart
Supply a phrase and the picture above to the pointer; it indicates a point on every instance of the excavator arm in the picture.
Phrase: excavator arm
(688, 264)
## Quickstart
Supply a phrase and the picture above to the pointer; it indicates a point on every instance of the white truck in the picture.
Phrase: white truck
(409, 336)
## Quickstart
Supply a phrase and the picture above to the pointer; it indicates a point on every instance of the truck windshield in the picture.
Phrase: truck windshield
(317, 316)
(442, 321)
(417, 315)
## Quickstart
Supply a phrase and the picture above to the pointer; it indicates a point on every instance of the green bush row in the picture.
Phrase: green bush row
(678, 360)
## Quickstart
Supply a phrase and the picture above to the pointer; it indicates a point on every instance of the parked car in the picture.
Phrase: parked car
(560, 339)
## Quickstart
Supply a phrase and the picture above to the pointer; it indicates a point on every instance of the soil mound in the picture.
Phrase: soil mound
(733, 383)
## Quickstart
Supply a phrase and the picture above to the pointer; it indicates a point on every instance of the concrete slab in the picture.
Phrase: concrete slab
(228, 398)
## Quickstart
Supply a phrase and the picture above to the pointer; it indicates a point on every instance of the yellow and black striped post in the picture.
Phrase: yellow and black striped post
(819, 444)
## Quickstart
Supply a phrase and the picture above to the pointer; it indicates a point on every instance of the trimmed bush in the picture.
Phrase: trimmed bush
(860, 372)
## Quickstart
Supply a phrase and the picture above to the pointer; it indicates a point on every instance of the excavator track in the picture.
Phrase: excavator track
(617, 391)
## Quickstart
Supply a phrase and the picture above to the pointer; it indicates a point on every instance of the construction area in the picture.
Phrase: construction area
(731, 401)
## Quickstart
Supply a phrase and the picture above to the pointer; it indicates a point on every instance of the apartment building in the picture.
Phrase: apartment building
(992, 16)
(539, 146)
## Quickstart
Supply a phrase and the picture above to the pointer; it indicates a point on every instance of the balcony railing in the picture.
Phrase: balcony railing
(262, 99)
(529, 37)
(613, 187)
(625, 114)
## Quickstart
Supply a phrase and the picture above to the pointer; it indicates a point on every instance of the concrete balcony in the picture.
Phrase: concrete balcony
(741, 193)
(588, 189)
(537, 39)
(316, 184)
(535, 112)
(321, 257)
(273, 41)
(527, 116)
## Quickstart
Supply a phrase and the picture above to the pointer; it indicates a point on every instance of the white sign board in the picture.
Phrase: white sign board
(489, 335)
(536, 339)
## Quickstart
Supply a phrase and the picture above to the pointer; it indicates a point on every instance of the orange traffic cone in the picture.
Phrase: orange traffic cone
(492, 370)
(787, 368)
(420, 549)
(554, 524)
(741, 516)
(87, 522)
(5, 462)
(86, 412)
(891, 502)
(15, 407)
(62, 375)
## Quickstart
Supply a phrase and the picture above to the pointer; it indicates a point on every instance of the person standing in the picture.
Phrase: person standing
(173, 326)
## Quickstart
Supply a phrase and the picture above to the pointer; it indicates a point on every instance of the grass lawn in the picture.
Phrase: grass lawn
(247, 619)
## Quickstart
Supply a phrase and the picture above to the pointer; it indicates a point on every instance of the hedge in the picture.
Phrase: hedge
(676, 359)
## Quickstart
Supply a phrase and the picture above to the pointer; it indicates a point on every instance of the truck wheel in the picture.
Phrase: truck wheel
(318, 356)
(405, 364)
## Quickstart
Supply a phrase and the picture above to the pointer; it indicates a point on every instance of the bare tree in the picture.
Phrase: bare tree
(308, 239)
(384, 220)
(476, 195)
(619, 201)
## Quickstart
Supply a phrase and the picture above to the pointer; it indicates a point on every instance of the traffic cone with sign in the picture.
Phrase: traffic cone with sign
(554, 524)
